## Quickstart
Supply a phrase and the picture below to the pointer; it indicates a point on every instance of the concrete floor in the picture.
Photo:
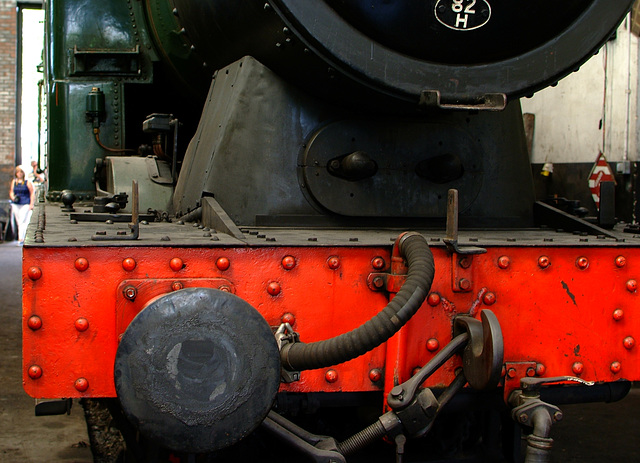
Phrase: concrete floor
(25, 438)
(589, 433)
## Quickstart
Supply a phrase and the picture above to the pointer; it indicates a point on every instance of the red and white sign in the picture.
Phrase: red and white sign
(601, 172)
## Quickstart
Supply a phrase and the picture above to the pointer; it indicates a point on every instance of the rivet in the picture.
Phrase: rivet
(433, 345)
(176, 264)
(223, 263)
(129, 264)
(621, 261)
(375, 375)
(34, 273)
(378, 263)
(531, 372)
(615, 367)
(544, 262)
(464, 284)
(540, 369)
(82, 324)
(433, 299)
(81, 384)
(489, 298)
(333, 262)
(523, 417)
(632, 286)
(34, 372)
(504, 262)
(577, 368)
(331, 376)
(274, 288)
(618, 314)
(511, 373)
(34, 323)
(288, 318)
(225, 289)
(81, 264)
(288, 262)
(176, 286)
(582, 263)
(130, 292)
(629, 342)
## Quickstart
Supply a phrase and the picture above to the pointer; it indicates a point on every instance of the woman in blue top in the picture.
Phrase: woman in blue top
(22, 195)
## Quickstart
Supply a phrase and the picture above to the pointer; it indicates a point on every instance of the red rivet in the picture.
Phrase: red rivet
(531, 372)
(331, 376)
(540, 369)
(544, 262)
(81, 264)
(34, 323)
(176, 264)
(34, 372)
(433, 299)
(615, 367)
(129, 264)
(504, 262)
(333, 262)
(375, 375)
(82, 324)
(223, 263)
(274, 288)
(288, 318)
(618, 314)
(34, 273)
(632, 286)
(621, 261)
(433, 345)
(577, 368)
(176, 286)
(464, 284)
(489, 298)
(225, 288)
(378, 263)
(288, 262)
(629, 342)
(511, 373)
(81, 384)
(582, 263)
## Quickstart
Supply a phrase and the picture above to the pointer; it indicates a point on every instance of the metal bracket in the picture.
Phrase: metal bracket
(451, 240)
(488, 101)
(285, 335)
(391, 282)
(135, 221)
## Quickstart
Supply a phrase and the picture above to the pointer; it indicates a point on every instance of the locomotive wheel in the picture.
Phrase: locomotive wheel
(197, 370)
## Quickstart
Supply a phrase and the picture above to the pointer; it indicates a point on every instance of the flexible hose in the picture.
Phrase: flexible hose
(414, 249)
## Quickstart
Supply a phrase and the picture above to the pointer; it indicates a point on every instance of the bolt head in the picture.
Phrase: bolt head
(464, 284)
(333, 262)
(531, 372)
(433, 299)
(511, 373)
(378, 282)
(504, 262)
(130, 292)
(34, 273)
(34, 323)
(288, 262)
(331, 376)
(129, 264)
(81, 264)
(223, 263)
(274, 288)
(523, 417)
(81, 384)
(176, 286)
(544, 262)
(577, 368)
(176, 264)
(82, 324)
(465, 262)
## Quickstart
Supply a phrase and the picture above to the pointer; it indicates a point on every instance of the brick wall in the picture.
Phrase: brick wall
(8, 46)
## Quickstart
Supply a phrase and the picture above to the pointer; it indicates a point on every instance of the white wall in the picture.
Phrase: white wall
(568, 116)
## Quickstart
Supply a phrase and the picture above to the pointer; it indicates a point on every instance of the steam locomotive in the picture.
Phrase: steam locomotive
(307, 230)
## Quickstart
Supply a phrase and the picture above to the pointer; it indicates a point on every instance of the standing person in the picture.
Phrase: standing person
(36, 175)
(22, 195)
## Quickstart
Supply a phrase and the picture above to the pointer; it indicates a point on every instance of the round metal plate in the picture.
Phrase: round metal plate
(197, 370)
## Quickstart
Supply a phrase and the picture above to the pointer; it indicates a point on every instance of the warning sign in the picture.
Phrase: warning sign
(601, 172)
